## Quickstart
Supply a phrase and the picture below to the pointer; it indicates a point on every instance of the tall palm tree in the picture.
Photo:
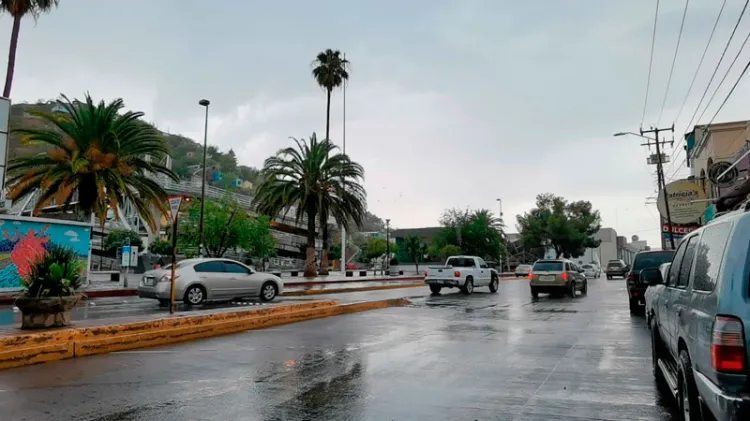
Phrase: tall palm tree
(98, 153)
(330, 70)
(311, 177)
(18, 9)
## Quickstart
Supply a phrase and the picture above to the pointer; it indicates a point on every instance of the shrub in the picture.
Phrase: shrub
(57, 273)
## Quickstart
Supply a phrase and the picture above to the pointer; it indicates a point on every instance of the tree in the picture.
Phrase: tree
(566, 227)
(376, 247)
(118, 238)
(18, 9)
(226, 226)
(477, 233)
(308, 178)
(415, 248)
(449, 250)
(334, 251)
(261, 242)
(97, 155)
(160, 246)
(330, 70)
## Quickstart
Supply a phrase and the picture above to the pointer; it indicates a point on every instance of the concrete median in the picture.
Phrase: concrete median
(21, 349)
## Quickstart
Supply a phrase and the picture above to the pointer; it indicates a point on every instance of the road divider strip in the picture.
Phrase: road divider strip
(345, 290)
(53, 345)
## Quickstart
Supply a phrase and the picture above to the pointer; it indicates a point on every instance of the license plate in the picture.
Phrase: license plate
(548, 278)
(148, 281)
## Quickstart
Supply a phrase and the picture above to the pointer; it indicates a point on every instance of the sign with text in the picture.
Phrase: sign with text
(687, 202)
(679, 229)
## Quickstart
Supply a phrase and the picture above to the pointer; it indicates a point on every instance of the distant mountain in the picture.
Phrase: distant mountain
(187, 154)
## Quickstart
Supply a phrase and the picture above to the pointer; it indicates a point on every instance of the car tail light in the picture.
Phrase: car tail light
(631, 277)
(457, 274)
(531, 276)
(728, 354)
(167, 277)
(565, 276)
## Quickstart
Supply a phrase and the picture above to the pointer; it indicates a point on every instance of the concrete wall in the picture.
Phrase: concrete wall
(25, 239)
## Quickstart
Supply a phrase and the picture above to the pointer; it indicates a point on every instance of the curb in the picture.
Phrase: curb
(345, 290)
(42, 347)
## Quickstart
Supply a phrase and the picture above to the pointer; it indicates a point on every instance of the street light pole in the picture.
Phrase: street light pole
(500, 214)
(201, 238)
(388, 245)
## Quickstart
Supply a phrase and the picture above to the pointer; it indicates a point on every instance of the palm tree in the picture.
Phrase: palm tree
(330, 70)
(18, 9)
(311, 177)
(98, 154)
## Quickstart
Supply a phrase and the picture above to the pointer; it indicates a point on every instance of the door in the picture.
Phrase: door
(680, 310)
(485, 274)
(241, 283)
(211, 275)
(668, 296)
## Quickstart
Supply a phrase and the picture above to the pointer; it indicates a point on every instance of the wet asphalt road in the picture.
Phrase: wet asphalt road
(451, 357)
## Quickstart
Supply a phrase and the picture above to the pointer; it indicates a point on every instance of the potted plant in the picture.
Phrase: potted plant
(51, 289)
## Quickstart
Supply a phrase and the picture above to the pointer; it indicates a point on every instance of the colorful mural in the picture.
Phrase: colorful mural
(22, 240)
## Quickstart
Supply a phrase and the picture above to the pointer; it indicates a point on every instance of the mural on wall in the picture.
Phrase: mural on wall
(22, 242)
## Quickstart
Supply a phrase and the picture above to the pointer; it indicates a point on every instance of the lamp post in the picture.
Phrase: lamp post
(500, 214)
(201, 239)
(387, 245)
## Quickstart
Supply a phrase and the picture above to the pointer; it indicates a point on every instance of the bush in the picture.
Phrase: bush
(160, 247)
(117, 239)
(57, 273)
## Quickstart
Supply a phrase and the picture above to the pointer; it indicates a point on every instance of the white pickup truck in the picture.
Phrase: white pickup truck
(463, 272)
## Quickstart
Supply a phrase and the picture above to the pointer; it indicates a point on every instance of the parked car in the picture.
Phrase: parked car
(463, 272)
(591, 270)
(209, 279)
(522, 270)
(616, 268)
(651, 259)
(699, 315)
(557, 276)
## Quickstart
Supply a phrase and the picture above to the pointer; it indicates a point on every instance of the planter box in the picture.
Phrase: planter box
(362, 273)
(349, 273)
(41, 313)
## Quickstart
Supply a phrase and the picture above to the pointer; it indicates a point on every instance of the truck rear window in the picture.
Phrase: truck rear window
(548, 267)
(652, 260)
(461, 262)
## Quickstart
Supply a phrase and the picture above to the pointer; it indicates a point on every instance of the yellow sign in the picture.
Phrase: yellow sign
(687, 202)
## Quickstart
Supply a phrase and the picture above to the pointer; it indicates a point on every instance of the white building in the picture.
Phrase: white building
(606, 251)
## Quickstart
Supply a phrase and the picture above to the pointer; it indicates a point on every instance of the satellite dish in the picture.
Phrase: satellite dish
(717, 168)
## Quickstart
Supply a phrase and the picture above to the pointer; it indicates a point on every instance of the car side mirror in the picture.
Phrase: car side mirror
(651, 276)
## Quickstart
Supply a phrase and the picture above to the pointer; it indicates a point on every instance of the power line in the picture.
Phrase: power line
(700, 63)
(716, 69)
(650, 62)
(674, 60)
(705, 135)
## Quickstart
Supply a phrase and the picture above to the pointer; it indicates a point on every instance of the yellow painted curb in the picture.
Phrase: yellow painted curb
(35, 348)
(345, 290)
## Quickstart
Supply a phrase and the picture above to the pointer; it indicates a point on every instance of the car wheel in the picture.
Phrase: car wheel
(268, 291)
(655, 352)
(534, 293)
(435, 289)
(468, 287)
(687, 394)
(195, 295)
(494, 284)
(585, 288)
(572, 289)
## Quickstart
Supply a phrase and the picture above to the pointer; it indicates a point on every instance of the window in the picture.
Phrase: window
(709, 256)
(587, 267)
(687, 262)
(212, 267)
(482, 263)
(461, 262)
(652, 260)
(231, 267)
(548, 266)
(673, 270)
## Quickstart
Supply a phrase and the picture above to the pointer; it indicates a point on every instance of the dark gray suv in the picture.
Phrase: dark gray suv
(700, 320)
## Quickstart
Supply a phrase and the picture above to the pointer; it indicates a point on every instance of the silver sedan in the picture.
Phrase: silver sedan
(209, 279)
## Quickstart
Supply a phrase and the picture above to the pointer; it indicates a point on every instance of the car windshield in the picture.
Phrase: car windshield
(652, 260)
(461, 262)
(615, 265)
(587, 267)
(523, 267)
(548, 266)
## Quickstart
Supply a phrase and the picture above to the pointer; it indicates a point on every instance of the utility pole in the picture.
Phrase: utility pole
(388, 245)
(660, 172)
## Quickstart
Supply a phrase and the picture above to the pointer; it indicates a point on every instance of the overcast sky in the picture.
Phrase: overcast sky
(450, 103)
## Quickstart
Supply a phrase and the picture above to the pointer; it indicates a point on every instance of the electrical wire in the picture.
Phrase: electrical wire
(700, 63)
(674, 60)
(650, 62)
(716, 69)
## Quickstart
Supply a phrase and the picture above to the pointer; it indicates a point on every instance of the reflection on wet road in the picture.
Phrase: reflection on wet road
(482, 357)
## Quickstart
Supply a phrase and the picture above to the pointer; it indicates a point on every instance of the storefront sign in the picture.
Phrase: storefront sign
(679, 229)
(687, 202)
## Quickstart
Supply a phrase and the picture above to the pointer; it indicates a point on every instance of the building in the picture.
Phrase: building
(627, 251)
